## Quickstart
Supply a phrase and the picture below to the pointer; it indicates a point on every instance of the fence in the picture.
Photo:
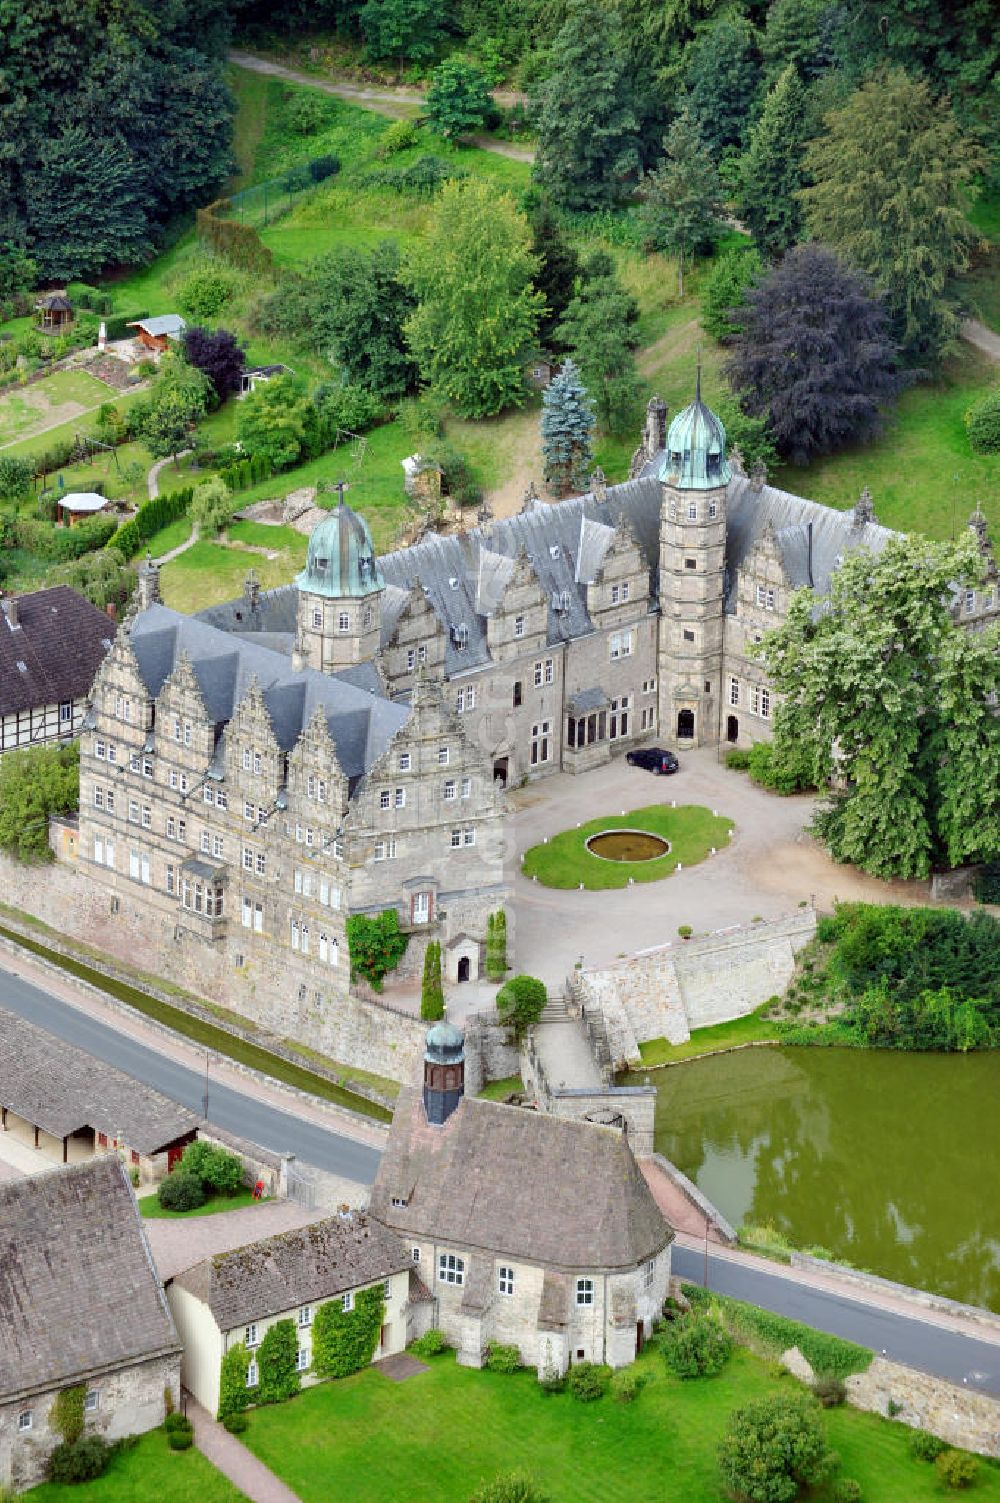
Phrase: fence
(262, 203)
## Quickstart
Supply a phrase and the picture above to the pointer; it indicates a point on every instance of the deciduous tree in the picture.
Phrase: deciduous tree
(278, 421)
(567, 431)
(890, 175)
(774, 1449)
(409, 30)
(682, 198)
(814, 357)
(34, 783)
(212, 506)
(218, 354)
(358, 304)
(477, 310)
(458, 100)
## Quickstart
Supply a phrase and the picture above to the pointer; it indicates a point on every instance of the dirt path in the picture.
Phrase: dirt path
(981, 338)
(523, 464)
(677, 341)
(153, 478)
(400, 103)
(68, 411)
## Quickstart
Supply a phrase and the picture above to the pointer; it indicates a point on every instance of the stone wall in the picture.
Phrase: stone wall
(667, 991)
(288, 1001)
(489, 1052)
(959, 1416)
(630, 1107)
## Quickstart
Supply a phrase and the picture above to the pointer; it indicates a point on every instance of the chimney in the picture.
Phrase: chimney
(444, 1072)
(599, 485)
(111, 610)
(9, 604)
(655, 436)
(149, 584)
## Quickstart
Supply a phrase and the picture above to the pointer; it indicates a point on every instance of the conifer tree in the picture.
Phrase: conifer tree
(770, 171)
(599, 330)
(587, 129)
(431, 988)
(725, 288)
(721, 70)
(558, 269)
(567, 431)
(682, 207)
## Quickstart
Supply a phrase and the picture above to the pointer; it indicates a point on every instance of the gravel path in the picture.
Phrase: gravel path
(153, 478)
(981, 338)
(233, 1459)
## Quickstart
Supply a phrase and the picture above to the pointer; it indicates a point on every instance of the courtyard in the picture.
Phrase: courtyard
(647, 845)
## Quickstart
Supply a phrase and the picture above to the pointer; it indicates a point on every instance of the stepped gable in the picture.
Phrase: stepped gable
(361, 722)
(543, 1189)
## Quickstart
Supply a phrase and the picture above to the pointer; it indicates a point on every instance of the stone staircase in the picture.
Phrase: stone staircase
(558, 1010)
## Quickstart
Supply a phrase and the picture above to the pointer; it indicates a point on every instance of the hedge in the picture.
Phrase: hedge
(234, 1395)
(116, 326)
(60, 544)
(827, 1355)
(151, 517)
(279, 1378)
(237, 243)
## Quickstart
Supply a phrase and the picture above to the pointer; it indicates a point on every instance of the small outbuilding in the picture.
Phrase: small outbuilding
(259, 375)
(156, 333)
(77, 505)
(55, 313)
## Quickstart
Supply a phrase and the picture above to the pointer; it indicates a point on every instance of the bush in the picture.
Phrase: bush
(926, 1447)
(831, 1391)
(306, 112)
(773, 1449)
(625, 1385)
(401, 136)
(986, 888)
(350, 407)
(16, 476)
(212, 507)
(957, 1468)
(180, 1192)
(982, 423)
(738, 759)
(457, 480)
(375, 945)
(215, 1167)
(236, 1423)
(776, 1333)
(846, 1490)
(79, 1461)
(521, 1002)
(696, 1347)
(588, 1381)
(320, 168)
(175, 1421)
(180, 1440)
(205, 291)
(770, 770)
(431, 1344)
(503, 1359)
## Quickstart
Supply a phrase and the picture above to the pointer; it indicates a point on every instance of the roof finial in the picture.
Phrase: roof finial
(697, 388)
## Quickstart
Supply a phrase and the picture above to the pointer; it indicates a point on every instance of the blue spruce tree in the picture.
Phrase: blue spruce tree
(567, 431)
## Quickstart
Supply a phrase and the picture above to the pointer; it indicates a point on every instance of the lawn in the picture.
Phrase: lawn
(565, 861)
(720, 1036)
(171, 536)
(499, 1090)
(150, 1206)
(435, 1437)
(148, 1469)
(61, 397)
(209, 573)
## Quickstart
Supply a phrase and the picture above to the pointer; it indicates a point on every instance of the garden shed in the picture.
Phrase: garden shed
(55, 313)
(156, 333)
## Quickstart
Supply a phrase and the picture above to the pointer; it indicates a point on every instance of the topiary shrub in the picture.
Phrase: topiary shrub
(503, 1359)
(80, 1460)
(431, 1344)
(180, 1440)
(830, 1390)
(926, 1447)
(625, 1385)
(982, 423)
(175, 1421)
(588, 1381)
(696, 1347)
(180, 1192)
(957, 1469)
(236, 1423)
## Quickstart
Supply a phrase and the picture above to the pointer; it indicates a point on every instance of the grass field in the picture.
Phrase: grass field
(61, 397)
(565, 861)
(749, 1030)
(216, 1205)
(441, 1433)
(149, 1469)
(499, 1090)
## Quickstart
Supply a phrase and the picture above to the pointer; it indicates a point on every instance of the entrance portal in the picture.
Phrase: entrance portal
(685, 725)
(500, 769)
(732, 729)
(464, 968)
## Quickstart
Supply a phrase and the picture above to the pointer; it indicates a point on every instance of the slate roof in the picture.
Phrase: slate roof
(170, 324)
(78, 1292)
(60, 639)
(62, 1089)
(301, 1267)
(361, 723)
(547, 1190)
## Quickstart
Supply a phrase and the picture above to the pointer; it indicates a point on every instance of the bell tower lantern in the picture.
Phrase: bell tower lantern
(444, 1072)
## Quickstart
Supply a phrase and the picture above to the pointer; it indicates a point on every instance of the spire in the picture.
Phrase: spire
(697, 384)
(864, 509)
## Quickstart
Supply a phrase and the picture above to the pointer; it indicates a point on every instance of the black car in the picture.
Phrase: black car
(653, 759)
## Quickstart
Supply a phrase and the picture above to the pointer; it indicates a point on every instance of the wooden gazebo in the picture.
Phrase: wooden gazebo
(55, 313)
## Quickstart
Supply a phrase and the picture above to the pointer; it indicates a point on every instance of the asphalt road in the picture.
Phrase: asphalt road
(236, 1111)
(907, 1339)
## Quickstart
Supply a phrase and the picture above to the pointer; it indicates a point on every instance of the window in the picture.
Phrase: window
(135, 762)
(295, 934)
(400, 799)
(208, 796)
(708, 686)
(517, 695)
(690, 563)
(368, 616)
(765, 703)
(585, 1291)
(66, 712)
(138, 866)
(302, 1359)
(399, 1201)
(91, 1401)
(544, 672)
(305, 1315)
(147, 772)
(465, 699)
(104, 851)
(466, 787)
(649, 686)
(252, 1375)
(404, 761)
(250, 1336)
(688, 636)
(519, 626)
(713, 509)
(619, 592)
(99, 798)
(414, 1253)
(970, 601)
(506, 1280)
(646, 718)
(618, 723)
(541, 744)
(647, 1274)
(187, 733)
(257, 762)
(411, 659)
(347, 1300)
(171, 879)
(387, 1289)
(444, 756)
(317, 619)
(620, 645)
(383, 799)
(217, 847)
(734, 691)
(385, 850)
(421, 907)
(25, 1419)
(449, 789)
(692, 512)
(343, 621)
(176, 729)
(113, 756)
(456, 839)
(247, 759)
(765, 598)
(206, 841)
(100, 752)
(451, 1269)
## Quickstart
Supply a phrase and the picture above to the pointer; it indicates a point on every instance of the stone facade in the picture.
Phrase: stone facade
(961, 1417)
(126, 1401)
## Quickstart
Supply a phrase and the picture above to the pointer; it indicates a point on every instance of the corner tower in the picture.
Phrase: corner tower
(444, 1072)
(339, 616)
(694, 474)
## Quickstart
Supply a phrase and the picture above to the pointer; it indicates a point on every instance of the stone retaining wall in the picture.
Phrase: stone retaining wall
(667, 991)
(957, 1415)
(490, 1053)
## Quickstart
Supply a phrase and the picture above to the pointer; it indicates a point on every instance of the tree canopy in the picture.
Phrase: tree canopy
(357, 304)
(34, 783)
(770, 172)
(599, 331)
(458, 99)
(567, 431)
(682, 198)
(218, 354)
(883, 690)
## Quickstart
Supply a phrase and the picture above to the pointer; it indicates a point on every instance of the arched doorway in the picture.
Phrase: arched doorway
(464, 968)
(732, 729)
(685, 725)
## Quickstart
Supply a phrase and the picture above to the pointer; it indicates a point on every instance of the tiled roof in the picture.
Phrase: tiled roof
(54, 651)
(78, 1292)
(62, 1089)
(301, 1267)
(361, 723)
(548, 1190)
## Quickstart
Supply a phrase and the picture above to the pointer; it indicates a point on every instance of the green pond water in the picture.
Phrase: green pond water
(891, 1161)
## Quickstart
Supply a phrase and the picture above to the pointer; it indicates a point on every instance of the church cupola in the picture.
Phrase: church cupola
(444, 1072)
(695, 455)
(340, 593)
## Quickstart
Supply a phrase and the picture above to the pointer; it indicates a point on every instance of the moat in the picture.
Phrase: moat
(888, 1160)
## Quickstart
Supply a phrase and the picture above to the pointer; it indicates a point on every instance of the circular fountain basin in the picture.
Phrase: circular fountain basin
(627, 845)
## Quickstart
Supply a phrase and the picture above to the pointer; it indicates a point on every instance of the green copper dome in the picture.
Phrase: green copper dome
(341, 558)
(695, 458)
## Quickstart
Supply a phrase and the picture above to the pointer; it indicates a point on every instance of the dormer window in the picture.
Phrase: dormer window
(554, 551)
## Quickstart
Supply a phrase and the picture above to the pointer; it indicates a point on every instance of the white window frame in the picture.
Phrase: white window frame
(347, 1301)
(92, 1399)
(449, 789)
(253, 1374)
(404, 761)
(251, 1336)
(451, 1269)
(734, 692)
(384, 800)
(519, 626)
(444, 756)
(302, 1359)
(25, 1421)
(505, 1280)
(305, 1316)
(584, 1293)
